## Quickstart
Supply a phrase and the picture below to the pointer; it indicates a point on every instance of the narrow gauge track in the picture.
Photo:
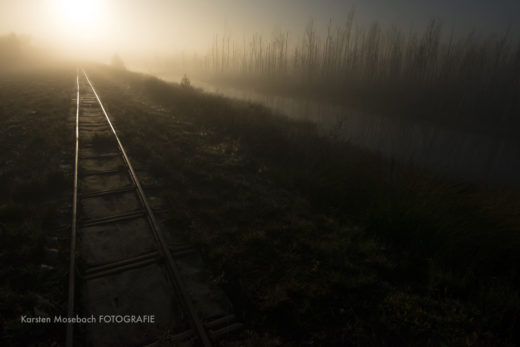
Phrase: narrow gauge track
(123, 263)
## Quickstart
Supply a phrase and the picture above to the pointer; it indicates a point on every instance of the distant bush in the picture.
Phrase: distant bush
(117, 62)
(13, 48)
(185, 82)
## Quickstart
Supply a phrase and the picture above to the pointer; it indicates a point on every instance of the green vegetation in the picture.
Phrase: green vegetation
(319, 242)
(36, 138)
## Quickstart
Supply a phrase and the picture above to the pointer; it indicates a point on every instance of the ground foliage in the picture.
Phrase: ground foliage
(36, 141)
(319, 242)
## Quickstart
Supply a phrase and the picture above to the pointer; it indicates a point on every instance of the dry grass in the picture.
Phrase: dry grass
(318, 242)
(36, 137)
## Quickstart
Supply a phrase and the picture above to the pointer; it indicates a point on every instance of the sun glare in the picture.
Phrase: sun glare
(80, 18)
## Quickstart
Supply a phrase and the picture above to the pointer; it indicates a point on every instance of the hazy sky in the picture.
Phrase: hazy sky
(95, 27)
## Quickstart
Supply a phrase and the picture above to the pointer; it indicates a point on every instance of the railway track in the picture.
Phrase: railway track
(122, 264)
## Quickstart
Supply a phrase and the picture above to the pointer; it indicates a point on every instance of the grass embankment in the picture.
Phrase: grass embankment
(319, 242)
(36, 141)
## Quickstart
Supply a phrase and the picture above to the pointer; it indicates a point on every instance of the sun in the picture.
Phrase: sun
(80, 18)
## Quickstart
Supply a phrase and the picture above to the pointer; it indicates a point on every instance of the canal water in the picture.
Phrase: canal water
(459, 154)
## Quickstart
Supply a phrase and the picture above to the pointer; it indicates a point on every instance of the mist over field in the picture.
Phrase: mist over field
(395, 55)
(142, 31)
(260, 173)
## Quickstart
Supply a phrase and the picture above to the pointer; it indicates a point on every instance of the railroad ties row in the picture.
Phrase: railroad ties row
(123, 271)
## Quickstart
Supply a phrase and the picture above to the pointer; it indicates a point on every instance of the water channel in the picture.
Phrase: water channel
(459, 154)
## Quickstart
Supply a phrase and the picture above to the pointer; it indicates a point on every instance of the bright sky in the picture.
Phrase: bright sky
(95, 28)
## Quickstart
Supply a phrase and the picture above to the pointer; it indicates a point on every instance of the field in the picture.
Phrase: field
(318, 242)
(314, 241)
(36, 137)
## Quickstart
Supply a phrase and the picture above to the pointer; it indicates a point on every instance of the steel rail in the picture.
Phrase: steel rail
(163, 247)
(72, 264)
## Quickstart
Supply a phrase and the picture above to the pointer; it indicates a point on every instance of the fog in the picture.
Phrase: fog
(453, 65)
(144, 30)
